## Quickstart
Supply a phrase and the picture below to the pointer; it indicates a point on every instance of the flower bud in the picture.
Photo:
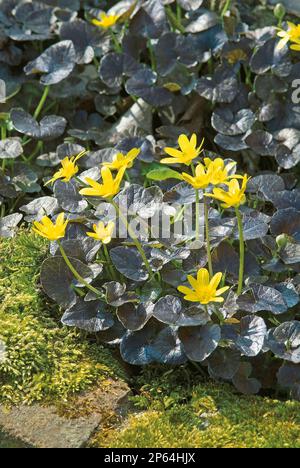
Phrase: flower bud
(282, 241)
(279, 11)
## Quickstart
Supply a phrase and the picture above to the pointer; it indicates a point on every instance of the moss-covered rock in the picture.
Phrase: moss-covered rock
(44, 361)
(205, 416)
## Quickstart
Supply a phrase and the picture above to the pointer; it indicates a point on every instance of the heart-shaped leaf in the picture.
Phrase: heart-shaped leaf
(92, 316)
(200, 342)
(129, 262)
(56, 63)
(57, 279)
(49, 128)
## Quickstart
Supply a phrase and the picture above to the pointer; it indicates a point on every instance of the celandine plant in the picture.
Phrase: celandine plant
(93, 101)
(135, 290)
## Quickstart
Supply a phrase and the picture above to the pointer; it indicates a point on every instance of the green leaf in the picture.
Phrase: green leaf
(163, 173)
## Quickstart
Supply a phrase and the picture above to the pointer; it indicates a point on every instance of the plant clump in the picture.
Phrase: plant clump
(156, 146)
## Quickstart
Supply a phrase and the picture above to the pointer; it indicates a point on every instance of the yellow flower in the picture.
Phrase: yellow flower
(187, 153)
(214, 172)
(121, 160)
(49, 230)
(201, 180)
(106, 21)
(68, 170)
(235, 196)
(291, 35)
(102, 233)
(219, 173)
(109, 187)
(205, 290)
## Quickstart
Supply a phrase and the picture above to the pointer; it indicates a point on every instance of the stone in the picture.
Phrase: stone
(68, 426)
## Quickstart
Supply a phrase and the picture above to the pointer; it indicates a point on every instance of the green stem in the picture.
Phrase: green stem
(133, 237)
(109, 265)
(213, 5)
(40, 106)
(118, 47)
(75, 273)
(197, 215)
(179, 13)
(207, 234)
(242, 250)
(174, 20)
(248, 76)
(3, 137)
(197, 206)
(152, 55)
(38, 148)
(226, 8)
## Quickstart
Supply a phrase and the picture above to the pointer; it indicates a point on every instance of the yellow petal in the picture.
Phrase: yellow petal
(120, 175)
(60, 219)
(90, 192)
(215, 281)
(185, 290)
(200, 170)
(132, 154)
(106, 176)
(281, 44)
(192, 297)
(175, 153)
(193, 141)
(188, 178)
(203, 277)
(92, 183)
(92, 234)
(40, 233)
(184, 143)
(193, 281)
(222, 291)
(170, 161)
(46, 221)
(218, 299)
(295, 47)
(207, 162)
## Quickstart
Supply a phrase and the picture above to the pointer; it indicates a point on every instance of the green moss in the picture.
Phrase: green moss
(205, 416)
(45, 361)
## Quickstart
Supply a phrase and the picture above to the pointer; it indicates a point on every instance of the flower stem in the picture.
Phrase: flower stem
(133, 237)
(152, 55)
(75, 273)
(242, 250)
(109, 265)
(3, 137)
(39, 147)
(179, 13)
(226, 8)
(207, 235)
(174, 20)
(40, 106)
(117, 46)
(197, 215)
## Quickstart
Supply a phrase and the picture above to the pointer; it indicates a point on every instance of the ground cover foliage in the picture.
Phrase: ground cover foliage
(77, 85)
(43, 360)
(173, 410)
